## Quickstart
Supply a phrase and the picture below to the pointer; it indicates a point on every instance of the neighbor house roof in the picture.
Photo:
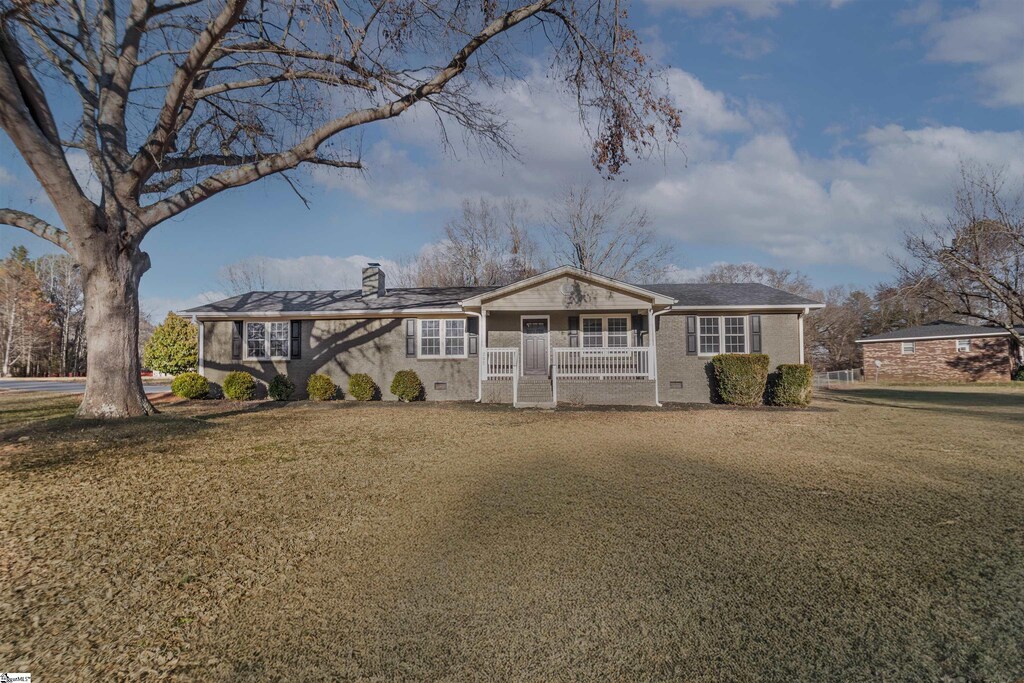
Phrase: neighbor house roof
(332, 301)
(940, 329)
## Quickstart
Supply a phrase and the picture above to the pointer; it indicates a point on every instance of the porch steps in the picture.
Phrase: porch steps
(535, 392)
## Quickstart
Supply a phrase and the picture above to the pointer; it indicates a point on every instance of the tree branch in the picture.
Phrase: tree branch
(36, 226)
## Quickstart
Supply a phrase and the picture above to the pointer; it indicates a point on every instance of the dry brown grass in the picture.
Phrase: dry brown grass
(878, 537)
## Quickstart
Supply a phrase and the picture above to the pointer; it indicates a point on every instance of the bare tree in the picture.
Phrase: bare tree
(792, 281)
(247, 275)
(973, 262)
(175, 101)
(487, 244)
(62, 286)
(593, 229)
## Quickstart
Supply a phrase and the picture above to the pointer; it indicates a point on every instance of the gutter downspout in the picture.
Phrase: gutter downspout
(481, 352)
(800, 319)
(654, 350)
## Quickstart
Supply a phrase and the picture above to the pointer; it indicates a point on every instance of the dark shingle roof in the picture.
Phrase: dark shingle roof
(707, 295)
(341, 300)
(939, 328)
(713, 294)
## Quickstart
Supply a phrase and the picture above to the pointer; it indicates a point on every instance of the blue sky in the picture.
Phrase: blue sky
(814, 132)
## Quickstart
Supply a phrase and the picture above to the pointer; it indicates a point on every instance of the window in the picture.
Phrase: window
(709, 336)
(963, 345)
(908, 347)
(735, 336)
(606, 331)
(442, 338)
(455, 337)
(618, 332)
(727, 334)
(592, 333)
(266, 340)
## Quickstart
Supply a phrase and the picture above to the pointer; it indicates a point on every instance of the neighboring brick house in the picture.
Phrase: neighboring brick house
(941, 352)
(561, 336)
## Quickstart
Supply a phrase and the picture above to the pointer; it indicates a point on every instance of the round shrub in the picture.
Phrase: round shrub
(740, 378)
(239, 386)
(791, 385)
(281, 388)
(190, 385)
(321, 388)
(361, 387)
(1018, 374)
(407, 386)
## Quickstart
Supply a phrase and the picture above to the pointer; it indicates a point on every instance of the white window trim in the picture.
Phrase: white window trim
(266, 342)
(903, 348)
(963, 341)
(721, 334)
(604, 330)
(443, 331)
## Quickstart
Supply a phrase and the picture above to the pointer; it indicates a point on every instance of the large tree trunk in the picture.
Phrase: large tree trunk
(110, 281)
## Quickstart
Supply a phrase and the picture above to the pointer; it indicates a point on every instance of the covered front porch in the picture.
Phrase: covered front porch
(593, 343)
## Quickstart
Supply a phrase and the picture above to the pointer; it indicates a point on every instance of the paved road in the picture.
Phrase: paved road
(63, 386)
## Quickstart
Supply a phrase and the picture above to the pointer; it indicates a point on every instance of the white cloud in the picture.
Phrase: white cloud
(988, 36)
(6, 177)
(739, 182)
(84, 174)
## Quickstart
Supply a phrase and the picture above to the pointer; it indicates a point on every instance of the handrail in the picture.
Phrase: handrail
(601, 362)
(502, 363)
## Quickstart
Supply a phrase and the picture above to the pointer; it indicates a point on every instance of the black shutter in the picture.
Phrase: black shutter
(296, 339)
(473, 329)
(410, 337)
(691, 335)
(574, 330)
(755, 334)
(639, 325)
(236, 339)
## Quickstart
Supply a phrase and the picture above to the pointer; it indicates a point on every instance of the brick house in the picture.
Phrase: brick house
(942, 352)
(564, 335)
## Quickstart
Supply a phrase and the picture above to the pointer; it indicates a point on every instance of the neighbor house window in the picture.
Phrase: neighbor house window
(908, 347)
(963, 345)
(710, 336)
(267, 340)
(727, 334)
(443, 338)
(606, 331)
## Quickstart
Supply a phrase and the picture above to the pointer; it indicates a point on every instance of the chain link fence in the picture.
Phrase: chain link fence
(827, 380)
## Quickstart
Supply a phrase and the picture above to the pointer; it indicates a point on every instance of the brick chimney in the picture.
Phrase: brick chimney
(373, 281)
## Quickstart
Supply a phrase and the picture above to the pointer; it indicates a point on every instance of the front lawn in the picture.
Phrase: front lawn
(878, 536)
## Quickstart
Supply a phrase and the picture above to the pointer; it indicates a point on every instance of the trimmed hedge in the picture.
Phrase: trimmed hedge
(190, 385)
(239, 386)
(740, 378)
(321, 388)
(791, 385)
(407, 386)
(281, 388)
(1018, 374)
(361, 387)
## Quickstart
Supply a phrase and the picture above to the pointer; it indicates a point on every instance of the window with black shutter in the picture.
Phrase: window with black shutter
(296, 339)
(473, 332)
(639, 325)
(574, 330)
(755, 334)
(236, 339)
(691, 335)
(410, 338)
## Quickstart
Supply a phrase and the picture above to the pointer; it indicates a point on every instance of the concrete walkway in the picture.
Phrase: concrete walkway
(63, 386)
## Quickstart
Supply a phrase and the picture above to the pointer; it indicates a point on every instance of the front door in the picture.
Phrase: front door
(535, 346)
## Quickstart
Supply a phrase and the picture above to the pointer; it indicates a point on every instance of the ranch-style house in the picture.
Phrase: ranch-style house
(563, 336)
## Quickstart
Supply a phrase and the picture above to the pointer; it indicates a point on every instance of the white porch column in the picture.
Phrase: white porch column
(200, 365)
(481, 350)
(652, 342)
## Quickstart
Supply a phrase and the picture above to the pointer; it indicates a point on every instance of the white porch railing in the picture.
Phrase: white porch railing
(602, 362)
(502, 363)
